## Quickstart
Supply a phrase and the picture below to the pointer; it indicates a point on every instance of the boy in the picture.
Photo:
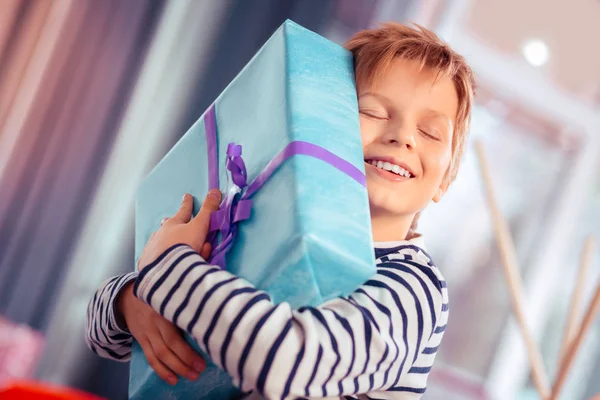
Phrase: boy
(415, 97)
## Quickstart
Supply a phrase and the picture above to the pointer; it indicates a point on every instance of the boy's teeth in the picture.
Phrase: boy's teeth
(390, 167)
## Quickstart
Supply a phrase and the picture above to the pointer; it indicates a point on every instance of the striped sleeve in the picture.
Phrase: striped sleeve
(357, 344)
(413, 384)
(104, 335)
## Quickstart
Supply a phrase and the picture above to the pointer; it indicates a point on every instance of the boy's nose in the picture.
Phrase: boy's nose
(401, 136)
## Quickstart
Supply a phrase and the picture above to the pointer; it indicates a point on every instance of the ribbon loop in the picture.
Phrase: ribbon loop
(233, 209)
(234, 150)
(236, 166)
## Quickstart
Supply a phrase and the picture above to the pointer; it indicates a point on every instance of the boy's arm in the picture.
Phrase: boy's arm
(115, 317)
(106, 333)
(362, 343)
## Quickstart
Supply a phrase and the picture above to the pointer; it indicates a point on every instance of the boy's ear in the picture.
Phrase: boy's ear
(441, 191)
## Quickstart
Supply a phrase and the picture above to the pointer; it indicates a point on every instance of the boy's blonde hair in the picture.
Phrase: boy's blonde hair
(375, 49)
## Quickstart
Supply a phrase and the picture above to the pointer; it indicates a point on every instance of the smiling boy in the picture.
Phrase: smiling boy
(415, 96)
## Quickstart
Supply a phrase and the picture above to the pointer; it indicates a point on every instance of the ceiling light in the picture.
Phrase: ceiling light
(536, 52)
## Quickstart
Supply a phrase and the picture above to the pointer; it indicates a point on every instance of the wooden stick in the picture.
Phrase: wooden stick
(565, 366)
(511, 273)
(574, 308)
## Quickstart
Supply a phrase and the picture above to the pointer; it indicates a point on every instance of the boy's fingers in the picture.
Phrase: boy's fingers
(206, 251)
(211, 203)
(184, 214)
(164, 354)
(161, 370)
(183, 351)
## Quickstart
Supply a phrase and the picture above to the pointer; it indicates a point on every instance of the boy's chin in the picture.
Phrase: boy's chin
(383, 208)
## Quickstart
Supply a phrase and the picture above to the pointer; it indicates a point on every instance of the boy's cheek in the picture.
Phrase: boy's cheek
(439, 163)
(367, 132)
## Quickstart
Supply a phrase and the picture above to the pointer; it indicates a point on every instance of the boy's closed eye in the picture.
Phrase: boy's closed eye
(430, 133)
(375, 114)
(372, 106)
(436, 126)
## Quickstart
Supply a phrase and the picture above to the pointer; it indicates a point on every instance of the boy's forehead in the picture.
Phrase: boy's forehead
(397, 70)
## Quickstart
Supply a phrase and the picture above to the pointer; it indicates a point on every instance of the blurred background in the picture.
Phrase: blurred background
(94, 93)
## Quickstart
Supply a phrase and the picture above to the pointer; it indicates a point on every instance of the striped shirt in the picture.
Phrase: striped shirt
(378, 343)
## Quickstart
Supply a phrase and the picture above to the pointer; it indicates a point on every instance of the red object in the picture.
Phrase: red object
(38, 391)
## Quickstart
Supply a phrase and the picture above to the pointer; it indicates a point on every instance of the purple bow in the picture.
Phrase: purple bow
(237, 205)
(234, 208)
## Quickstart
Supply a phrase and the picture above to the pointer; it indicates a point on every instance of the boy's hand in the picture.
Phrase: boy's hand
(180, 229)
(166, 350)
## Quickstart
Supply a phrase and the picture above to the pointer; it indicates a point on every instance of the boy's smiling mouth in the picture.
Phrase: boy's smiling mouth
(386, 168)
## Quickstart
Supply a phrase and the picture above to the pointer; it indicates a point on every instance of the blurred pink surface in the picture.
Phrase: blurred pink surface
(20, 350)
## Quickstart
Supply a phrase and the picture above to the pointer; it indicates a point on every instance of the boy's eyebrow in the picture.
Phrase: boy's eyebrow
(378, 96)
(441, 116)
(437, 114)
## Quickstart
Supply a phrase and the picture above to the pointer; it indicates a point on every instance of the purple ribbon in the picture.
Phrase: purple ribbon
(237, 205)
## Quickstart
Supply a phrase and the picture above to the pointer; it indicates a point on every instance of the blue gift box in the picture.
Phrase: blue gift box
(307, 237)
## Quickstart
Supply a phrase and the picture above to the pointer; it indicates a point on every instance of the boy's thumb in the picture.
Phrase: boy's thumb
(212, 201)
(202, 220)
